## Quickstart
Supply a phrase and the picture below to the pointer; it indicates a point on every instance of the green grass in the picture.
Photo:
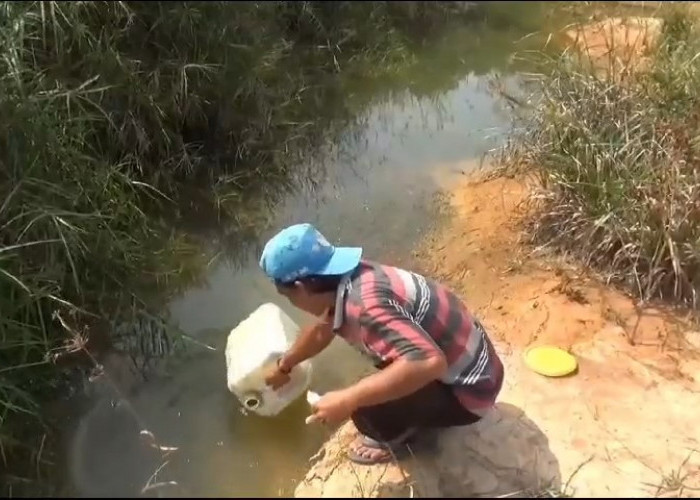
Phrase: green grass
(131, 133)
(617, 156)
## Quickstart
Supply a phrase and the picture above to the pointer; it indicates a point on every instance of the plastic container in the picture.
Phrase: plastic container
(252, 350)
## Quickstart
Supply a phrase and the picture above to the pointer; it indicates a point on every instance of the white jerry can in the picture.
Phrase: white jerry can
(252, 349)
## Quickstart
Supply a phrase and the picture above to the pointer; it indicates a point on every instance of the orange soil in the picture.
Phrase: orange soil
(625, 42)
(525, 299)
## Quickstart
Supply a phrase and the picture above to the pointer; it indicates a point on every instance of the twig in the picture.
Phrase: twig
(159, 485)
(199, 343)
(150, 486)
(317, 455)
(576, 471)
(38, 456)
(146, 435)
(359, 481)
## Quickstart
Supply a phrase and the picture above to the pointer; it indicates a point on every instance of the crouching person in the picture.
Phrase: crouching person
(437, 366)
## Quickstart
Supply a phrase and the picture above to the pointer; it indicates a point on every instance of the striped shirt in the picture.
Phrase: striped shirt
(388, 313)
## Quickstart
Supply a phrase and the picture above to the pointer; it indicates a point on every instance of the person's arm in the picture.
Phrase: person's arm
(415, 360)
(311, 340)
(401, 378)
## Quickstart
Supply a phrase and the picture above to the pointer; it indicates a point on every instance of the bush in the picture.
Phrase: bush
(123, 122)
(617, 156)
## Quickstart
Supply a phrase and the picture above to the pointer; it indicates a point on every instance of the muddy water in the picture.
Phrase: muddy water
(378, 197)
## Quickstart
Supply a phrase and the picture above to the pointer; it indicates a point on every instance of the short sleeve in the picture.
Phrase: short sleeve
(391, 333)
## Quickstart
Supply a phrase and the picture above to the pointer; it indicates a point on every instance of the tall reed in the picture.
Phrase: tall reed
(121, 123)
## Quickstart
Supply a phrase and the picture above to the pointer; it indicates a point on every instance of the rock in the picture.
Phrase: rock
(333, 476)
(503, 454)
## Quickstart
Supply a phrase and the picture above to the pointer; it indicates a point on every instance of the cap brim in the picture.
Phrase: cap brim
(344, 260)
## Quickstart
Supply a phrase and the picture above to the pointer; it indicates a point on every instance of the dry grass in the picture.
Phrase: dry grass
(616, 154)
(676, 483)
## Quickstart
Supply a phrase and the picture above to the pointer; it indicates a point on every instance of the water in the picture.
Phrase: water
(379, 196)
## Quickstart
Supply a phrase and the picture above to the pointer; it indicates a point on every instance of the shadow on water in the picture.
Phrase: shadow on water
(379, 182)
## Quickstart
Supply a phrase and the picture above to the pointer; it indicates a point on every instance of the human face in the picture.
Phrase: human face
(300, 297)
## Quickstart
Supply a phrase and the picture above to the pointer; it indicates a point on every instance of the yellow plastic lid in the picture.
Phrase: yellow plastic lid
(550, 361)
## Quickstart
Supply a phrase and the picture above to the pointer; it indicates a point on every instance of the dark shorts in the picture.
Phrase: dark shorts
(433, 406)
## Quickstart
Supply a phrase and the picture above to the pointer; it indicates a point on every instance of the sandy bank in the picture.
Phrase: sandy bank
(623, 426)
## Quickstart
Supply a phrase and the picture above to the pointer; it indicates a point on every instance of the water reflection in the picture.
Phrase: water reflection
(378, 180)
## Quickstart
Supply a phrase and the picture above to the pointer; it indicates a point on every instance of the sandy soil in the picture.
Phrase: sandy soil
(619, 43)
(624, 425)
(633, 358)
(528, 295)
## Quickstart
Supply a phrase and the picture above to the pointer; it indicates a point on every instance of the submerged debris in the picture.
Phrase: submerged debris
(150, 440)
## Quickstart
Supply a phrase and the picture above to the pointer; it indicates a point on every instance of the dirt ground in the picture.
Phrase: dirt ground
(528, 295)
(639, 369)
(624, 425)
(617, 45)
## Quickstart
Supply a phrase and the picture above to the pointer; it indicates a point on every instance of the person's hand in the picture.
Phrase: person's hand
(276, 377)
(333, 407)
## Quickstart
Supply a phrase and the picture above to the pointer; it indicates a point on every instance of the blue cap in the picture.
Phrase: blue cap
(300, 250)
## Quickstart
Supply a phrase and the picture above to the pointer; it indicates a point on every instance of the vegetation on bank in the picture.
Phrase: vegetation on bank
(122, 123)
(618, 156)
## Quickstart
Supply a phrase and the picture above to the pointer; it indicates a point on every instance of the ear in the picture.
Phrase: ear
(300, 287)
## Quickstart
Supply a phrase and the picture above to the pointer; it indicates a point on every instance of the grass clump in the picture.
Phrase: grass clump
(617, 152)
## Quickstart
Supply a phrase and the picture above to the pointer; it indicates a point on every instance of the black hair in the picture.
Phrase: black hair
(316, 283)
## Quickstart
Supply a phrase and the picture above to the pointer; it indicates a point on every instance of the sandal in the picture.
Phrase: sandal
(392, 449)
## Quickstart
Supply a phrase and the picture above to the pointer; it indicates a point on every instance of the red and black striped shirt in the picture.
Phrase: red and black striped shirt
(387, 313)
